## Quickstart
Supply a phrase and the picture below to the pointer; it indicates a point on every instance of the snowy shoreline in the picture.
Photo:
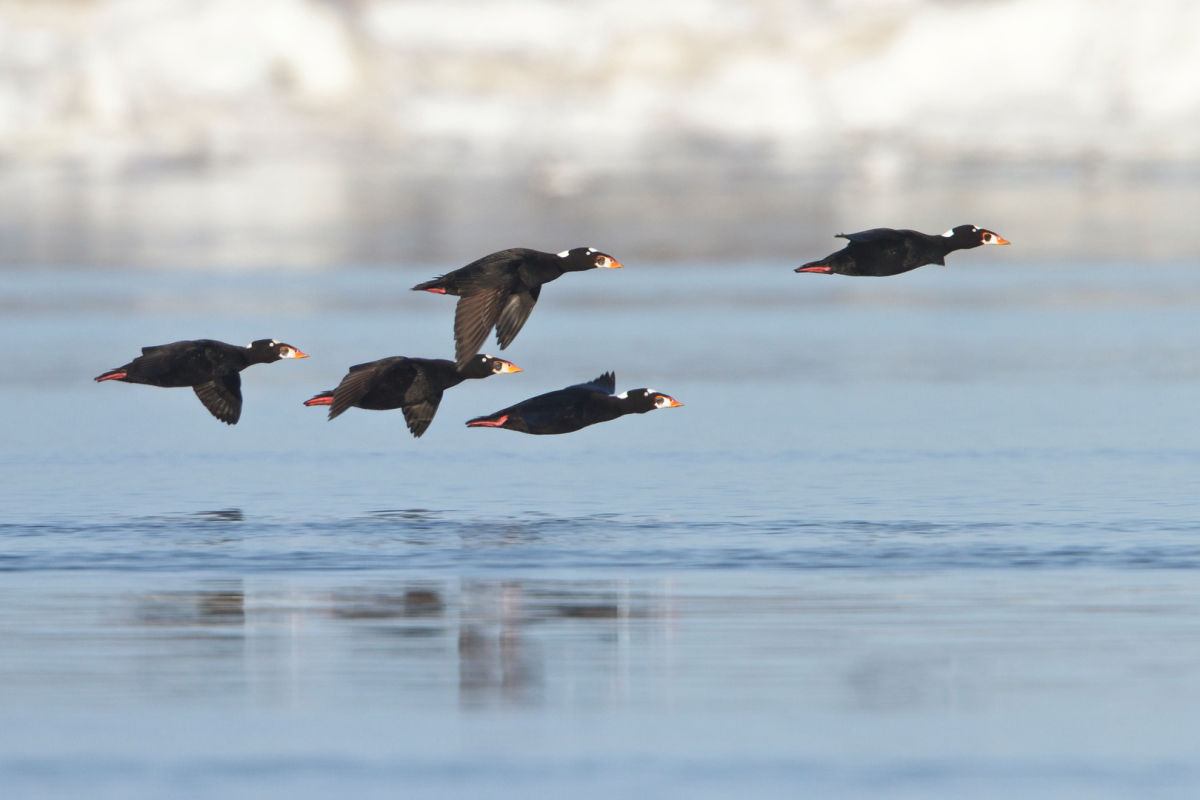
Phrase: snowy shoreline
(106, 85)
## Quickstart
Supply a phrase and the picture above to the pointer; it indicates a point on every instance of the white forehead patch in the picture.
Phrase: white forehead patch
(276, 341)
(592, 250)
(563, 254)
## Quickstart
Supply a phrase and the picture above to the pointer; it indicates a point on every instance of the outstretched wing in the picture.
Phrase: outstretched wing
(351, 389)
(514, 314)
(474, 316)
(418, 415)
(606, 383)
(222, 397)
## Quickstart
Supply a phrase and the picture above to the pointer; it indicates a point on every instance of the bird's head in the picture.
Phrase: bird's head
(580, 258)
(642, 400)
(965, 236)
(483, 365)
(268, 350)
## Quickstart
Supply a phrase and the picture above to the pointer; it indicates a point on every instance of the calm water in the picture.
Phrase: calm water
(932, 536)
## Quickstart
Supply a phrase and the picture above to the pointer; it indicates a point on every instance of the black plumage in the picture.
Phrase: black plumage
(414, 385)
(500, 290)
(884, 251)
(210, 367)
(574, 407)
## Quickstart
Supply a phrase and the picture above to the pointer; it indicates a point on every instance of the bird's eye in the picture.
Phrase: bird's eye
(602, 261)
(987, 238)
(285, 352)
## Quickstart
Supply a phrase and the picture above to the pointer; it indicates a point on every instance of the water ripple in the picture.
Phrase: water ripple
(229, 540)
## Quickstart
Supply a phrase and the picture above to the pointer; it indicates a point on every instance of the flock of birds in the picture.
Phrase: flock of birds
(497, 291)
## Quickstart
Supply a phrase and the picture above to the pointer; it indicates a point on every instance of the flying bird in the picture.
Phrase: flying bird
(884, 251)
(414, 385)
(210, 367)
(499, 290)
(575, 407)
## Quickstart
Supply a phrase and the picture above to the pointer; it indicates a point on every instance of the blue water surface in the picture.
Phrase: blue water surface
(930, 536)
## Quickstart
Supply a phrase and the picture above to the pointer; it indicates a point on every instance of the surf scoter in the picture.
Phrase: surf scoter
(499, 291)
(884, 251)
(414, 385)
(210, 367)
(575, 407)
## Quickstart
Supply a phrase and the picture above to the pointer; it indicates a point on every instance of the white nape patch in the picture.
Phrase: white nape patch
(563, 254)
(623, 395)
(592, 250)
(276, 341)
(949, 233)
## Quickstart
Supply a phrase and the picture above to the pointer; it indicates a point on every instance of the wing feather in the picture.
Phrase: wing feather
(350, 390)
(418, 415)
(514, 314)
(606, 383)
(474, 316)
(222, 397)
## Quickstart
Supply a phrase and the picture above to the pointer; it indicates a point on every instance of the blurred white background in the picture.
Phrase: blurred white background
(316, 132)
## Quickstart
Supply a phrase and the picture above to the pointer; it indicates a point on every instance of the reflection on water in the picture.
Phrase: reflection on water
(221, 515)
(496, 660)
(863, 671)
(220, 605)
(496, 636)
(411, 602)
(824, 643)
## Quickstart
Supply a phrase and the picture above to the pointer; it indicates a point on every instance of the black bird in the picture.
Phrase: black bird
(210, 367)
(884, 251)
(500, 289)
(414, 385)
(575, 407)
